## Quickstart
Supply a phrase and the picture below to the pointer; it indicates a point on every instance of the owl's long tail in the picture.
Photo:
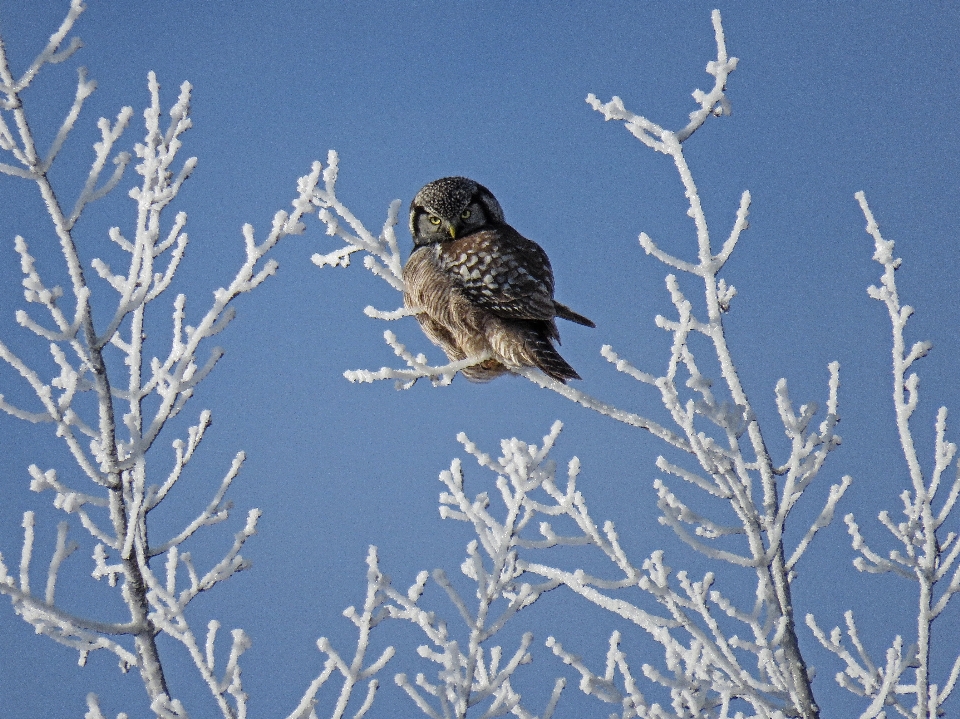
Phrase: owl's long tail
(550, 361)
(566, 313)
(526, 343)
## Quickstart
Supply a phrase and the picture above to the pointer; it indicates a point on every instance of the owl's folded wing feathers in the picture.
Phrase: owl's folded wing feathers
(502, 271)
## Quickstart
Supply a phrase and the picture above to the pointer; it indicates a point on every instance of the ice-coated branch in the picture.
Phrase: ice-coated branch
(727, 461)
(175, 376)
(927, 555)
(526, 471)
(473, 673)
(353, 672)
(58, 410)
(164, 597)
(419, 368)
(905, 385)
(99, 400)
(382, 253)
(604, 408)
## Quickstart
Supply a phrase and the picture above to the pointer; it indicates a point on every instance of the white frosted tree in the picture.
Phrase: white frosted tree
(111, 395)
(722, 656)
(905, 680)
(729, 643)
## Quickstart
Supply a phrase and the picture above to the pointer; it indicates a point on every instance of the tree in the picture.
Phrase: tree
(730, 638)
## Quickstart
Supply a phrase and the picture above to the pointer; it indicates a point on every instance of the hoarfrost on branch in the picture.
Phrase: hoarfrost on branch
(928, 552)
(711, 670)
(111, 439)
(721, 656)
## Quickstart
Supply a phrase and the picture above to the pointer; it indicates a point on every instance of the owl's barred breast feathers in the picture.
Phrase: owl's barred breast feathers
(478, 287)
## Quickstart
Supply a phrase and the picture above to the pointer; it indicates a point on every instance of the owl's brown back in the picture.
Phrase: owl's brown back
(489, 292)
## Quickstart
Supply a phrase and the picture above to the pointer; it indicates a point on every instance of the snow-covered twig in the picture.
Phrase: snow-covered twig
(475, 673)
(353, 672)
(928, 554)
(382, 253)
(132, 392)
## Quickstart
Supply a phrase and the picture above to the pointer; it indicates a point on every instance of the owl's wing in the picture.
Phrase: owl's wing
(502, 271)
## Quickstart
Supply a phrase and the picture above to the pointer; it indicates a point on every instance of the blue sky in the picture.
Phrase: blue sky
(827, 100)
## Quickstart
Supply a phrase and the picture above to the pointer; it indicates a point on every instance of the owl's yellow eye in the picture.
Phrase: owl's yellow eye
(465, 215)
(434, 220)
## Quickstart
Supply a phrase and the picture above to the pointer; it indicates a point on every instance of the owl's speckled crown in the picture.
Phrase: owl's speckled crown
(448, 196)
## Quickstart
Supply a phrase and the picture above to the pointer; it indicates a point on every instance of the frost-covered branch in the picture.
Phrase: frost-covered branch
(353, 672)
(710, 668)
(382, 253)
(419, 368)
(474, 673)
(718, 428)
(109, 408)
(714, 426)
(711, 103)
(927, 553)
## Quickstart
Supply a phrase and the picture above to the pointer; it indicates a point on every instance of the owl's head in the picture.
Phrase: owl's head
(449, 208)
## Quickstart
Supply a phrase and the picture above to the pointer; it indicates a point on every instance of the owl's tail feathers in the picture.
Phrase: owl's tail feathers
(568, 314)
(549, 360)
(527, 343)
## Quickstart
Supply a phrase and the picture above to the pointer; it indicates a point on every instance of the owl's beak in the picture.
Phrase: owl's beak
(453, 231)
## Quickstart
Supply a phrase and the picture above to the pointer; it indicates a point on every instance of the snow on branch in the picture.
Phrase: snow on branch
(718, 428)
(927, 553)
(382, 253)
(419, 368)
(711, 667)
(353, 671)
(474, 675)
(51, 54)
(111, 438)
(711, 103)
(713, 424)
(84, 635)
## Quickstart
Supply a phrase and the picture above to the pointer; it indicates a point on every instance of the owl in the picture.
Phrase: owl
(478, 287)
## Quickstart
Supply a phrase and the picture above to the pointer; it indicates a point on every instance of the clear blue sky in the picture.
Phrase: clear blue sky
(827, 100)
